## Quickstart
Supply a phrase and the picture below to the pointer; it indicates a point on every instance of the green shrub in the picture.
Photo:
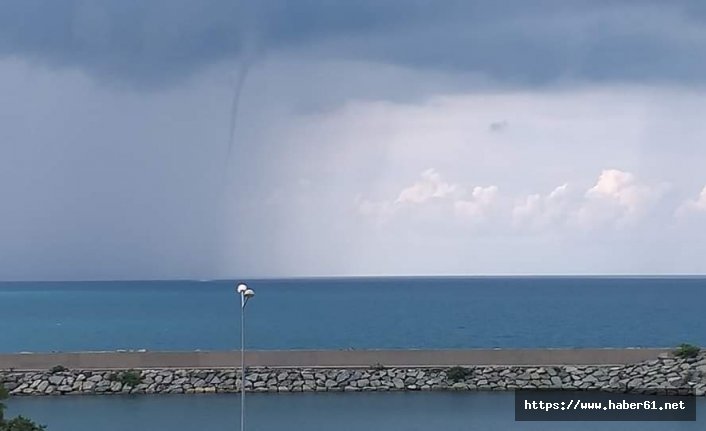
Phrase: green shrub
(20, 423)
(58, 369)
(377, 367)
(687, 351)
(129, 377)
(3, 396)
(457, 374)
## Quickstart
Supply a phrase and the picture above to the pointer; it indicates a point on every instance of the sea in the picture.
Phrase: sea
(377, 411)
(354, 313)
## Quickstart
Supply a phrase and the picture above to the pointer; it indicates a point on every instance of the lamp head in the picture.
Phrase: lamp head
(242, 288)
(249, 293)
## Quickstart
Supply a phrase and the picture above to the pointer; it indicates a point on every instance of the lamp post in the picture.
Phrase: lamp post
(245, 294)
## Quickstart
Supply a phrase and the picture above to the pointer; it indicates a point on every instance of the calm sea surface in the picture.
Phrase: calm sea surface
(354, 313)
(310, 412)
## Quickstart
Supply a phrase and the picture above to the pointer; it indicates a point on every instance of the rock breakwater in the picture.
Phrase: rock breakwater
(665, 373)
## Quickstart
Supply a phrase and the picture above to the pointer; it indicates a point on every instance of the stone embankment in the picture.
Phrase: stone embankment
(654, 376)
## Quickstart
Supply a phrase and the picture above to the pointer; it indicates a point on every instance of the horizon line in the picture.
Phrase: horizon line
(364, 276)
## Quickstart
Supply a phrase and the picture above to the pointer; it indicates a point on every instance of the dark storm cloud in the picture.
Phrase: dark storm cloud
(160, 39)
(518, 41)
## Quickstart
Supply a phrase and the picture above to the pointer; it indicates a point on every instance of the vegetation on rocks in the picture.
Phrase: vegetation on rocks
(58, 369)
(129, 378)
(377, 367)
(458, 374)
(686, 351)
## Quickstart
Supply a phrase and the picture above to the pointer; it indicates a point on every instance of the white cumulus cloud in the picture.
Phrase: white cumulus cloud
(432, 191)
(537, 211)
(697, 205)
(477, 207)
(617, 198)
(429, 187)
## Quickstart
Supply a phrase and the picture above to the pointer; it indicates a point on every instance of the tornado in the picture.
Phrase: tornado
(240, 79)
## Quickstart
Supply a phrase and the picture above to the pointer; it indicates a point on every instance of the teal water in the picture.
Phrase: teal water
(357, 313)
(309, 412)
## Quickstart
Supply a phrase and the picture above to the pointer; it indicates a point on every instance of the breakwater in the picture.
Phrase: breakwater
(663, 373)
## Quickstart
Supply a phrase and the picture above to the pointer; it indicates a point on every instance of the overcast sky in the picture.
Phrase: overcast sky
(372, 138)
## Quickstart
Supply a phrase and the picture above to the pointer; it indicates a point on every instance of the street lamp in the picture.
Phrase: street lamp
(245, 294)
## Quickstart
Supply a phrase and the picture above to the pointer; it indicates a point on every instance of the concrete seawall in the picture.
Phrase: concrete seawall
(327, 358)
